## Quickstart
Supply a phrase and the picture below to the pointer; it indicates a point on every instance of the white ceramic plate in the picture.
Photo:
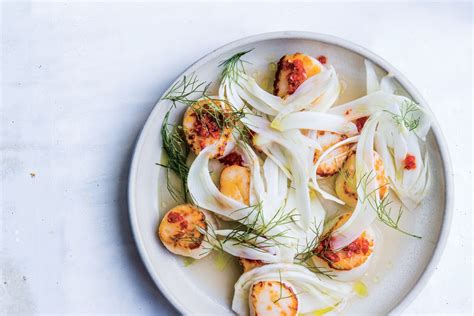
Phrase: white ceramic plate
(403, 264)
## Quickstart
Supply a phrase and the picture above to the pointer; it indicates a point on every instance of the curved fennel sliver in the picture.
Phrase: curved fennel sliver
(372, 81)
(318, 92)
(409, 185)
(412, 196)
(276, 183)
(323, 193)
(367, 189)
(312, 143)
(393, 140)
(312, 134)
(419, 184)
(204, 192)
(233, 97)
(300, 181)
(267, 251)
(270, 170)
(250, 86)
(388, 85)
(327, 100)
(304, 237)
(300, 238)
(295, 158)
(286, 139)
(307, 93)
(274, 207)
(228, 91)
(270, 190)
(257, 187)
(424, 124)
(410, 176)
(274, 152)
(257, 103)
(369, 104)
(315, 121)
(381, 147)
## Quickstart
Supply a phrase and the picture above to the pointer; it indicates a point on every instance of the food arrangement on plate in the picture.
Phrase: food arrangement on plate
(252, 169)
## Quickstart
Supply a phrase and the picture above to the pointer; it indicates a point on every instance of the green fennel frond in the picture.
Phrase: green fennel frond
(233, 67)
(410, 115)
(381, 206)
(175, 147)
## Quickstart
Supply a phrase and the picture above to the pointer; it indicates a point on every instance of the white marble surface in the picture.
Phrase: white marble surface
(78, 81)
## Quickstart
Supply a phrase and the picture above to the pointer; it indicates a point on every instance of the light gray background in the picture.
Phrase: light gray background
(78, 81)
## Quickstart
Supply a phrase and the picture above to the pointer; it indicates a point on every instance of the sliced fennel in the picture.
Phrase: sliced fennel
(368, 105)
(254, 247)
(315, 121)
(367, 189)
(314, 292)
(204, 192)
(371, 77)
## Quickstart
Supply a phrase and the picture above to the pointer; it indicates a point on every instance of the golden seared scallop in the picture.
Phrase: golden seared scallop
(202, 124)
(272, 298)
(346, 186)
(235, 183)
(182, 231)
(248, 264)
(292, 71)
(334, 161)
(349, 257)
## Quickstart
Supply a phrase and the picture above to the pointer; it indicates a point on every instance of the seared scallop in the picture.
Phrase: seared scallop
(334, 161)
(346, 186)
(203, 126)
(349, 257)
(235, 183)
(292, 71)
(248, 264)
(182, 231)
(273, 298)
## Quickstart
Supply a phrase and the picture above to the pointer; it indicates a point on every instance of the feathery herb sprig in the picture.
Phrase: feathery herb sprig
(384, 212)
(407, 116)
(382, 207)
(174, 143)
(233, 67)
(304, 256)
(224, 114)
(233, 70)
(177, 151)
(253, 231)
(190, 90)
(254, 226)
(187, 90)
(320, 270)
(308, 251)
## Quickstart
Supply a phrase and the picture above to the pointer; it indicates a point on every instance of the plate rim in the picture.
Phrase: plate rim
(409, 297)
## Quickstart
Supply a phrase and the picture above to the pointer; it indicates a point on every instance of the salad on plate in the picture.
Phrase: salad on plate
(253, 167)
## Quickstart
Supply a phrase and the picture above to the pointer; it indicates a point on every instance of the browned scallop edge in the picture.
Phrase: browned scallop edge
(277, 75)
